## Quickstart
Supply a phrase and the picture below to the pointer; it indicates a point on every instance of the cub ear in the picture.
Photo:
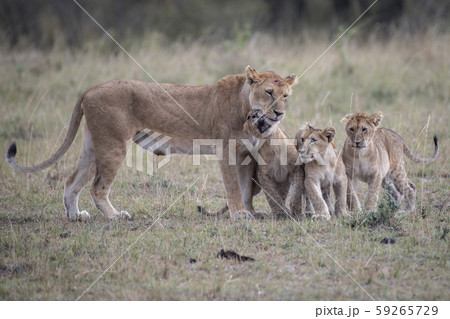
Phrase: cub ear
(329, 133)
(291, 79)
(308, 127)
(346, 118)
(252, 75)
(376, 118)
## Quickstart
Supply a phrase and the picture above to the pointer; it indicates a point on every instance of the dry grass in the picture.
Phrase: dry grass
(43, 256)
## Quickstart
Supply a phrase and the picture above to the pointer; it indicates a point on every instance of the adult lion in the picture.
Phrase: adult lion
(118, 110)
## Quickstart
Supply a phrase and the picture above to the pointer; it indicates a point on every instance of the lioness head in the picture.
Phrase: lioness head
(361, 128)
(259, 125)
(312, 144)
(269, 93)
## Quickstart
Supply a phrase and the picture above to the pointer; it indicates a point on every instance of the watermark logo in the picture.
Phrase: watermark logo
(149, 144)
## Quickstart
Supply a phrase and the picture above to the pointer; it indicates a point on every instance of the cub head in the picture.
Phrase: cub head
(361, 128)
(269, 93)
(312, 143)
(259, 125)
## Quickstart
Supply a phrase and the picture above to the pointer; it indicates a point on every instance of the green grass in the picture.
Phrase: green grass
(43, 256)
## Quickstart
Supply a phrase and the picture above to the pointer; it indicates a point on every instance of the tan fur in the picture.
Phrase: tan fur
(323, 168)
(276, 174)
(118, 110)
(375, 156)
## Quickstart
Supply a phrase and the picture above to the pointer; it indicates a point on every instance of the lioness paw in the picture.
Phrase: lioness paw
(83, 215)
(125, 215)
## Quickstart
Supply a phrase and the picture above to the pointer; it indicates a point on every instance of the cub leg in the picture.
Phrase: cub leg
(352, 199)
(108, 162)
(80, 177)
(274, 198)
(326, 193)
(340, 192)
(392, 190)
(315, 195)
(373, 192)
(297, 204)
(407, 189)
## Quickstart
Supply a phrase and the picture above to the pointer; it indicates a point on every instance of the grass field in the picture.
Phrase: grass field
(43, 256)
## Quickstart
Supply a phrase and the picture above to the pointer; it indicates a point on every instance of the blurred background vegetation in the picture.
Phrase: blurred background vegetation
(46, 23)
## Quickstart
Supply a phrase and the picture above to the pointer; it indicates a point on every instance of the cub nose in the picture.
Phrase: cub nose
(357, 143)
(278, 114)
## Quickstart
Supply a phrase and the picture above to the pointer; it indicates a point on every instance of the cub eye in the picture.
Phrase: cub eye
(269, 92)
(351, 129)
(313, 140)
(302, 140)
(285, 96)
(364, 130)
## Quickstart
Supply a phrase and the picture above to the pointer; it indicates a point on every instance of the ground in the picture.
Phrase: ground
(43, 256)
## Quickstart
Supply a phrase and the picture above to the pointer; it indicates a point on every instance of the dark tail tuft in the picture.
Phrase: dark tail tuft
(11, 152)
(435, 139)
(200, 209)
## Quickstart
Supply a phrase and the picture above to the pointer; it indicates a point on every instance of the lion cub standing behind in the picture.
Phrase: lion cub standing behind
(277, 165)
(375, 156)
(323, 168)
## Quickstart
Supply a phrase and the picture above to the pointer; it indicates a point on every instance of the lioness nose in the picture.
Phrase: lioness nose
(357, 143)
(278, 114)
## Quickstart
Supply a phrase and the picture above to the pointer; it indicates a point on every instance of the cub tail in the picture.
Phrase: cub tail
(421, 160)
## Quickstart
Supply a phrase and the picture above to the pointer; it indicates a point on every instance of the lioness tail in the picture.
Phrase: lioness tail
(71, 133)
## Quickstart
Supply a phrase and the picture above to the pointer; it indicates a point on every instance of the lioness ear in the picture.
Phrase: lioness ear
(252, 75)
(329, 133)
(376, 118)
(291, 79)
(346, 118)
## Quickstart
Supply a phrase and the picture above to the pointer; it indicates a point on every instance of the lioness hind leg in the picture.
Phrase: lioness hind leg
(107, 167)
(80, 177)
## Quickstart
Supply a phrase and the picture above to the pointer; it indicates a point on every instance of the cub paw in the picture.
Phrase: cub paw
(243, 214)
(321, 216)
(261, 214)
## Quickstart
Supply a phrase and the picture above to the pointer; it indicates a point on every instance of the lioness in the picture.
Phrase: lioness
(323, 168)
(375, 156)
(118, 110)
(277, 164)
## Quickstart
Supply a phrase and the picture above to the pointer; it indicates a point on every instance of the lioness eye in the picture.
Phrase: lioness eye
(364, 130)
(269, 92)
(313, 141)
(302, 140)
(351, 129)
(285, 96)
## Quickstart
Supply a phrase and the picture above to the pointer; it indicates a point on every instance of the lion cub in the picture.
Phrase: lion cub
(277, 165)
(375, 156)
(323, 168)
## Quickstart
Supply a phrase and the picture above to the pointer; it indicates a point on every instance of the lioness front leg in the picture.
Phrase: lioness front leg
(248, 182)
(370, 204)
(233, 190)
(315, 195)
